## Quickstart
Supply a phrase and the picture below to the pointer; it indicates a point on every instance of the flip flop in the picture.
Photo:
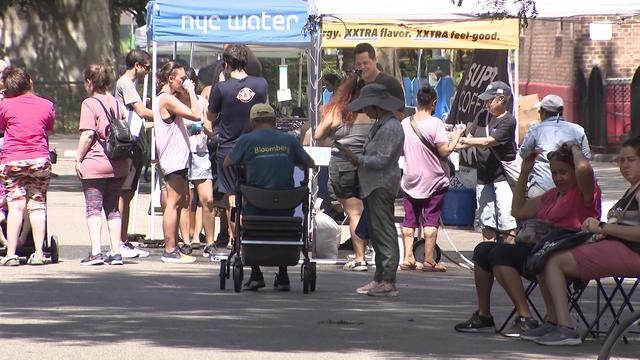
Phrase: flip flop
(10, 261)
(407, 266)
(436, 267)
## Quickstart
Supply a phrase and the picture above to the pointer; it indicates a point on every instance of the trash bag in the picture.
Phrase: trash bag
(327, 236)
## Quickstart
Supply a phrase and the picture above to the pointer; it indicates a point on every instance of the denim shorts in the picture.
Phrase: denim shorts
(494, 201)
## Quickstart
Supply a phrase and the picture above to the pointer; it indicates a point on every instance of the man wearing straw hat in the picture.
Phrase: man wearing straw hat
(379, 178)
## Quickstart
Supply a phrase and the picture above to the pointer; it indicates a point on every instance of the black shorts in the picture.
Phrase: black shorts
(343, 178)
(182, 173)
(489, 254)
(227, 177)
(135, 169)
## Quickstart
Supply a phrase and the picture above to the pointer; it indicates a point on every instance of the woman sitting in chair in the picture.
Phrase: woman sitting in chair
(575, 198)
(617, 243)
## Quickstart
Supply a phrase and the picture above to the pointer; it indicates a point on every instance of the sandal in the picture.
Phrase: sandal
(33, 260)
(10, 261)
(435, 267)
(407, 266)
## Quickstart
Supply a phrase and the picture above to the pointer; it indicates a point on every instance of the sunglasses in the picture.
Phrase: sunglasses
(146, 67)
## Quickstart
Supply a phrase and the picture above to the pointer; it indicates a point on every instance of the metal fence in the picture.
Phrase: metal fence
(618, 109)
(68, 97)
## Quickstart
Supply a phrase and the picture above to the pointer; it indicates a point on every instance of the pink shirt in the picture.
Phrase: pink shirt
(422, 174)
(172, 141)
(25, 119)
(568, 210)
(96, 164)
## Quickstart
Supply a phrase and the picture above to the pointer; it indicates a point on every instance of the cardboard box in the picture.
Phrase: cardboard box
(527, 114)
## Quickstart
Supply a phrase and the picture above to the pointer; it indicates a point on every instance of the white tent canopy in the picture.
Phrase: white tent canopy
(445, 10)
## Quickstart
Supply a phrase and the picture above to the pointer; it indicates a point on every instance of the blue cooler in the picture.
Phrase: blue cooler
(459, 207)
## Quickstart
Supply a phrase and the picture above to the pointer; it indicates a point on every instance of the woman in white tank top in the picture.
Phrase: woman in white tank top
(172, 144)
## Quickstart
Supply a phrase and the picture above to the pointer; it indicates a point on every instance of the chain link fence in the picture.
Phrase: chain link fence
(68, 96)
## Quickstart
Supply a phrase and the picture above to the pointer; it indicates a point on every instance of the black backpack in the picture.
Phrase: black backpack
(119, 142)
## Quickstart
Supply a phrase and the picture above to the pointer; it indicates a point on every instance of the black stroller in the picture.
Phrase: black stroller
(264, 240)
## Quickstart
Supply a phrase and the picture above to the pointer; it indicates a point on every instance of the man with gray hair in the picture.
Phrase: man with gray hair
(547, 136)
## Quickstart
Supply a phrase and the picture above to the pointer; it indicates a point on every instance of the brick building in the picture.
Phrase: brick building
(553, 52)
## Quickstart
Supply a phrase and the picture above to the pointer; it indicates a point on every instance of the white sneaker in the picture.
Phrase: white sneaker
(128, 253)
(133, 250)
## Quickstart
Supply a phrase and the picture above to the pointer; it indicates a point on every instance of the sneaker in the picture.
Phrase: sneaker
(176, 257)
(365, 289)
(355, 266)
(384, 288)
(186, 249)
(128, 251)
(521, 325)
(560, 335)
(254, 284)
(115, 259)
(540, 331)
(209, 250)
(477, 324)
(97, 259)
(281, 282)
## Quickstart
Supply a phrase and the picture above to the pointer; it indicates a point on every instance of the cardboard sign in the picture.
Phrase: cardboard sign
(527, 114)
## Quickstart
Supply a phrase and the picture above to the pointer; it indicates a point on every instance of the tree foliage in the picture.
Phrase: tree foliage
(137, 8)
(526, 9)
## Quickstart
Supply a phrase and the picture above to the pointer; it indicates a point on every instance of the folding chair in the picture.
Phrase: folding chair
(574, 292)
(608, 306)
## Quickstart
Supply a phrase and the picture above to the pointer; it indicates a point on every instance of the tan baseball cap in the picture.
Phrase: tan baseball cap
(260, 111)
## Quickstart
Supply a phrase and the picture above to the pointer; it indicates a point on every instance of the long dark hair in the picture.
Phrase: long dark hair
(341, 98)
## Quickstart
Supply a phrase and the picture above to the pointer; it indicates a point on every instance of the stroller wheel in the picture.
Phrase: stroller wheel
(306, 278)
(237, 276)
(418, 251)
(312, 270)
(223, 274)
(54, 249)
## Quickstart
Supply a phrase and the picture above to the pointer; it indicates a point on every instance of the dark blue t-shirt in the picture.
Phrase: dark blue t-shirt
(269, 158)
(233, 100)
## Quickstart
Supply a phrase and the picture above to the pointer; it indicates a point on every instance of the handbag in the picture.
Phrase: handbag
(447, 166)
(560, 239)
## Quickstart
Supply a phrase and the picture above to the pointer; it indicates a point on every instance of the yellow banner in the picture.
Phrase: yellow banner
(472, 34)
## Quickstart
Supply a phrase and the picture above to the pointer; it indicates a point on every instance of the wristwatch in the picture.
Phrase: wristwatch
(601, 226)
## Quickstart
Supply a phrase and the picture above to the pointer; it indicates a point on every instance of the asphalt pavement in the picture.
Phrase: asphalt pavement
(150, 310)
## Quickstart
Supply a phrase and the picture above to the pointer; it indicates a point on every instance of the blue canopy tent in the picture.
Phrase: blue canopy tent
(251, 22)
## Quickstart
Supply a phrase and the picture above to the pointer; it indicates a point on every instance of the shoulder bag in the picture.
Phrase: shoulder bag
(511, 169)
(447, 166)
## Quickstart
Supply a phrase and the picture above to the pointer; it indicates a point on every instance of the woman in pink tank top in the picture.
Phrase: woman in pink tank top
(172, 143)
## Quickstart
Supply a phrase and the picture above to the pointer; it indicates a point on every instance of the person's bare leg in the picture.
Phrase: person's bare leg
(430, 238)
(548, 301)
(176, 195)
(14, 224)
(185, 219)
(510, 280)
(484, 283)
(124, 203)
(560, 266)
(38, 219)
(232, 224)
(353, 207)
(407, 239)
(208, 217)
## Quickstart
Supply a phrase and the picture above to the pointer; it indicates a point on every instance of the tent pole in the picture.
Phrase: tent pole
(174, 50)
(516, 91)
(154, 90)
(419, 72)
(300, 81)
(191, 56)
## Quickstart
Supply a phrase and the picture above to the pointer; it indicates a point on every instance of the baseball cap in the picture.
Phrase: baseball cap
(551, 103)
(259, 111)
(494, 89)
